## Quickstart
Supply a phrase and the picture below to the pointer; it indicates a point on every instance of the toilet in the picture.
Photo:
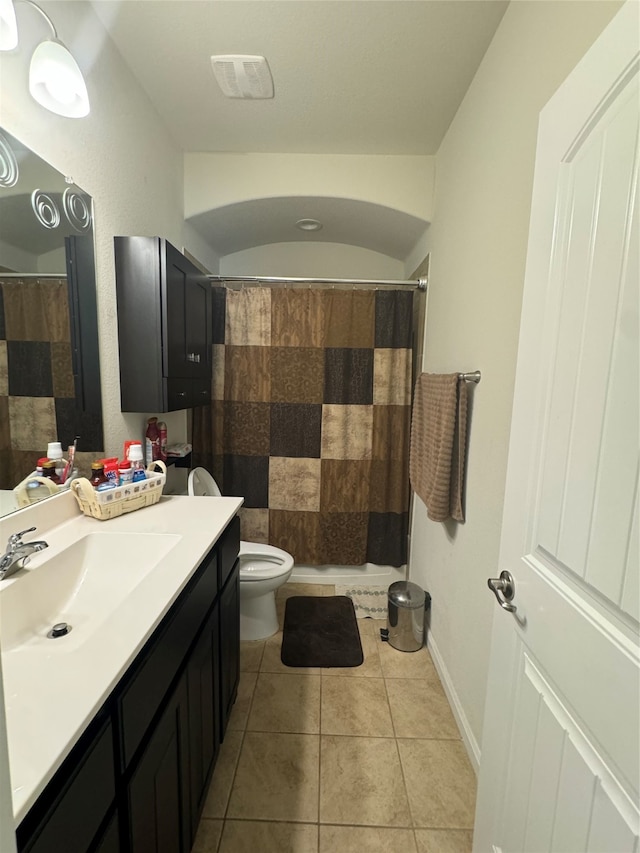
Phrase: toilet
(263, 569)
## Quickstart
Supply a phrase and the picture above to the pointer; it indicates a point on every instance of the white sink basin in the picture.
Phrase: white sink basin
(81, 585)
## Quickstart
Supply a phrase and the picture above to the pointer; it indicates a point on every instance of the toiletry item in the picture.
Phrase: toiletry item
(49, 470)
(37, 473)
(125, 472)
(98, 477)
(127, 445)
(54, 452)
(179, 451)
(110, 466)
(137, 465)
(70, 470)
(162, 435)
(152, 441)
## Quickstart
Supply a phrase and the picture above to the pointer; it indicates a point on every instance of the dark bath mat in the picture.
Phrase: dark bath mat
(320, 632)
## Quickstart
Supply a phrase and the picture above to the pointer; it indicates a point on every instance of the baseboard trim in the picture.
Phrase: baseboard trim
(468, 738)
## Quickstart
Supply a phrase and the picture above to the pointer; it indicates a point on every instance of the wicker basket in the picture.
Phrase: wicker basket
(115, 502)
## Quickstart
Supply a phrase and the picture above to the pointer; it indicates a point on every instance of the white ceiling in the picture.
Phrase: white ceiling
(350, 76)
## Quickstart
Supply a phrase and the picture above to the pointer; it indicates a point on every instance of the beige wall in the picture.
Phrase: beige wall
(334, 260)
(400, 182)
(121, 154)
(477, 241)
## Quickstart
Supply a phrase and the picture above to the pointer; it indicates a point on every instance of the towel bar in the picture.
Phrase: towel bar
(471, 377)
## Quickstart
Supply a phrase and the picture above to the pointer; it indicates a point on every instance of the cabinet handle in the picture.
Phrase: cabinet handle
(181, 394)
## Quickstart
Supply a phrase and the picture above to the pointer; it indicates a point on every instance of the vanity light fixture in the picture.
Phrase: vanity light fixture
(309, 225)
(8, 26)
(55, 80)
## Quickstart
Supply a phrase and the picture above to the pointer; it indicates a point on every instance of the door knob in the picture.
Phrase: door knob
(504, 589)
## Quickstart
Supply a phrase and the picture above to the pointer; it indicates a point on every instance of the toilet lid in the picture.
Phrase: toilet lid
(202, 484)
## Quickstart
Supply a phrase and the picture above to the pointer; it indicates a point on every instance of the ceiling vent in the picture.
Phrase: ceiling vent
(243, 76)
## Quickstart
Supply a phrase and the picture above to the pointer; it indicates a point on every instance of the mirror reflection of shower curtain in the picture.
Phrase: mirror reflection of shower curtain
(310, 419)
(35, 370)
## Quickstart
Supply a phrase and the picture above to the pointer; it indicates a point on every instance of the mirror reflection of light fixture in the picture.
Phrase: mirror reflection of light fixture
(55, 80)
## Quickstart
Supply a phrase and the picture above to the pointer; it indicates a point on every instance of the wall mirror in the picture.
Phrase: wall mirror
(49, 360)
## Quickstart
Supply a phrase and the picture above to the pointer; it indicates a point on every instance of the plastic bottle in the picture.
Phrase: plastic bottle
(99, 479)
(49, 470)
(125, 472)
(162, 434)
(137, 465)
(54, 452)
(152, 441)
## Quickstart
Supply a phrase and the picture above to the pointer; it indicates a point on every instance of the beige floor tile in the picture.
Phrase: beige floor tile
(276, 778)
(271, 659)
(240, 710)
(286, 703)
(207, 836)
(361, 782)
(290, 589)
(355, 706)
(362, 839)
(218, 795)
(396, 664)
(369, 668)
(246, 836)
(440, 781)
(371, 627)
(444, 840)
(420, 709)
(251, 655)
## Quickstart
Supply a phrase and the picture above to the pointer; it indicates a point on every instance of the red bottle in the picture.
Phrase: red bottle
(152, 441)
(162, 432)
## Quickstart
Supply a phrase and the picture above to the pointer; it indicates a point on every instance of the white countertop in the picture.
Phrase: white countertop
(52, 696)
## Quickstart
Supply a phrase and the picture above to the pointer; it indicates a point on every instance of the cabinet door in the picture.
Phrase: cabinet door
(204, 714)
(68, 816)
(110, 841)
(198, 324)
(159, 787)
(175, 283)
(188, 318)
(229, 646)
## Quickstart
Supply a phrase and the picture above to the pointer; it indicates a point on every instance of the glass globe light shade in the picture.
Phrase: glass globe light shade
(8, 26)
(56, 82)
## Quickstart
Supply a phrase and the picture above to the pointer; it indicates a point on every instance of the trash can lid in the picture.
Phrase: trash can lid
(406, 594)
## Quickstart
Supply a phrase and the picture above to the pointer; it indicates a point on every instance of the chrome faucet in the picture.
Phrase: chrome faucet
(17, 552)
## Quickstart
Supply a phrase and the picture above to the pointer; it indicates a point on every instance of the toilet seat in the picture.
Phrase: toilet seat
(263, 562)
(263, 569)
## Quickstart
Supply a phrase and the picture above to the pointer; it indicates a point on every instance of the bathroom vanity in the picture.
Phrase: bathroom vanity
(114, 729)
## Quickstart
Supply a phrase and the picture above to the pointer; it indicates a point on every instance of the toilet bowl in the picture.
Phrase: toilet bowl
(263, 569)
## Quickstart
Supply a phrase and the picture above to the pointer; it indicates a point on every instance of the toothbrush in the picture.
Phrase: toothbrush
(71, 455)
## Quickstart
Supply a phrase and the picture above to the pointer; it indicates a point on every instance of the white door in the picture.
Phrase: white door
(561, 748)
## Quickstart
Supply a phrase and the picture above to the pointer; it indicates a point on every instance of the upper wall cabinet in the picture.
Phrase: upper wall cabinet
(164, 327)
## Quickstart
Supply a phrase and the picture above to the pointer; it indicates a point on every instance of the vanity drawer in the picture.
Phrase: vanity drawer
(162, 658)
(228, 547)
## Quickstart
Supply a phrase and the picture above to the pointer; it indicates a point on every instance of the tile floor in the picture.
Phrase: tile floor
(359, 760)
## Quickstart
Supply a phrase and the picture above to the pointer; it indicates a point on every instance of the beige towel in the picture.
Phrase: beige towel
(438, 441)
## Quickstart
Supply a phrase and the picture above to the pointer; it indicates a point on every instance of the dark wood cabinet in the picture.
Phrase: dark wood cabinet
(84, 786)
(229, 646)
(137, 780)
(164, 327)
(204, 713)
(158, 802)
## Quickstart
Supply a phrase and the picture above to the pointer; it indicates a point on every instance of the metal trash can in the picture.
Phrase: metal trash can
(406, 605)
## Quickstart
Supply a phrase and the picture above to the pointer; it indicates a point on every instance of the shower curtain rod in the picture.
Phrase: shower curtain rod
(33, 275)
(420, 283)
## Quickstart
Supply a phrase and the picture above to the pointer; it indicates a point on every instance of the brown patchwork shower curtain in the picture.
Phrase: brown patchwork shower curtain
(310, 419)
